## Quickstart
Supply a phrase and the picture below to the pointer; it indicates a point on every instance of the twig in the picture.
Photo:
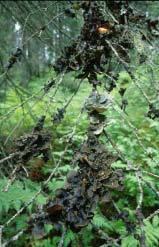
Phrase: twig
(61, 243)
(151, 186)
(135, 132)
(152, 215)
(106, 236)
(129, 71)
(45, 183)
(0, 235)
(8, 157)
(19, 105)
(12, 179)
(139, 211)
(139, 205)
(29, 15)
(114, 145)
(38, 31)
(151, 174)
(15, 237)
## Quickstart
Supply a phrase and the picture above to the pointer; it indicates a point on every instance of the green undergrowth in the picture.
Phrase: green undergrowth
(123, 136)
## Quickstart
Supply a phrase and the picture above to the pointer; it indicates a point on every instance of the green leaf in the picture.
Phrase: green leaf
(101, 221)
(119, 227)
(155, 221)
(130, 241)
(70, 236)
(17, 204)
(48, 227)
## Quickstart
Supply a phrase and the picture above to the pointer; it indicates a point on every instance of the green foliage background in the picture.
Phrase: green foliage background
(22, 191)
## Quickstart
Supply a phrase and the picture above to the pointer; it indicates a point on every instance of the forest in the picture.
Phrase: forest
(79, 111)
